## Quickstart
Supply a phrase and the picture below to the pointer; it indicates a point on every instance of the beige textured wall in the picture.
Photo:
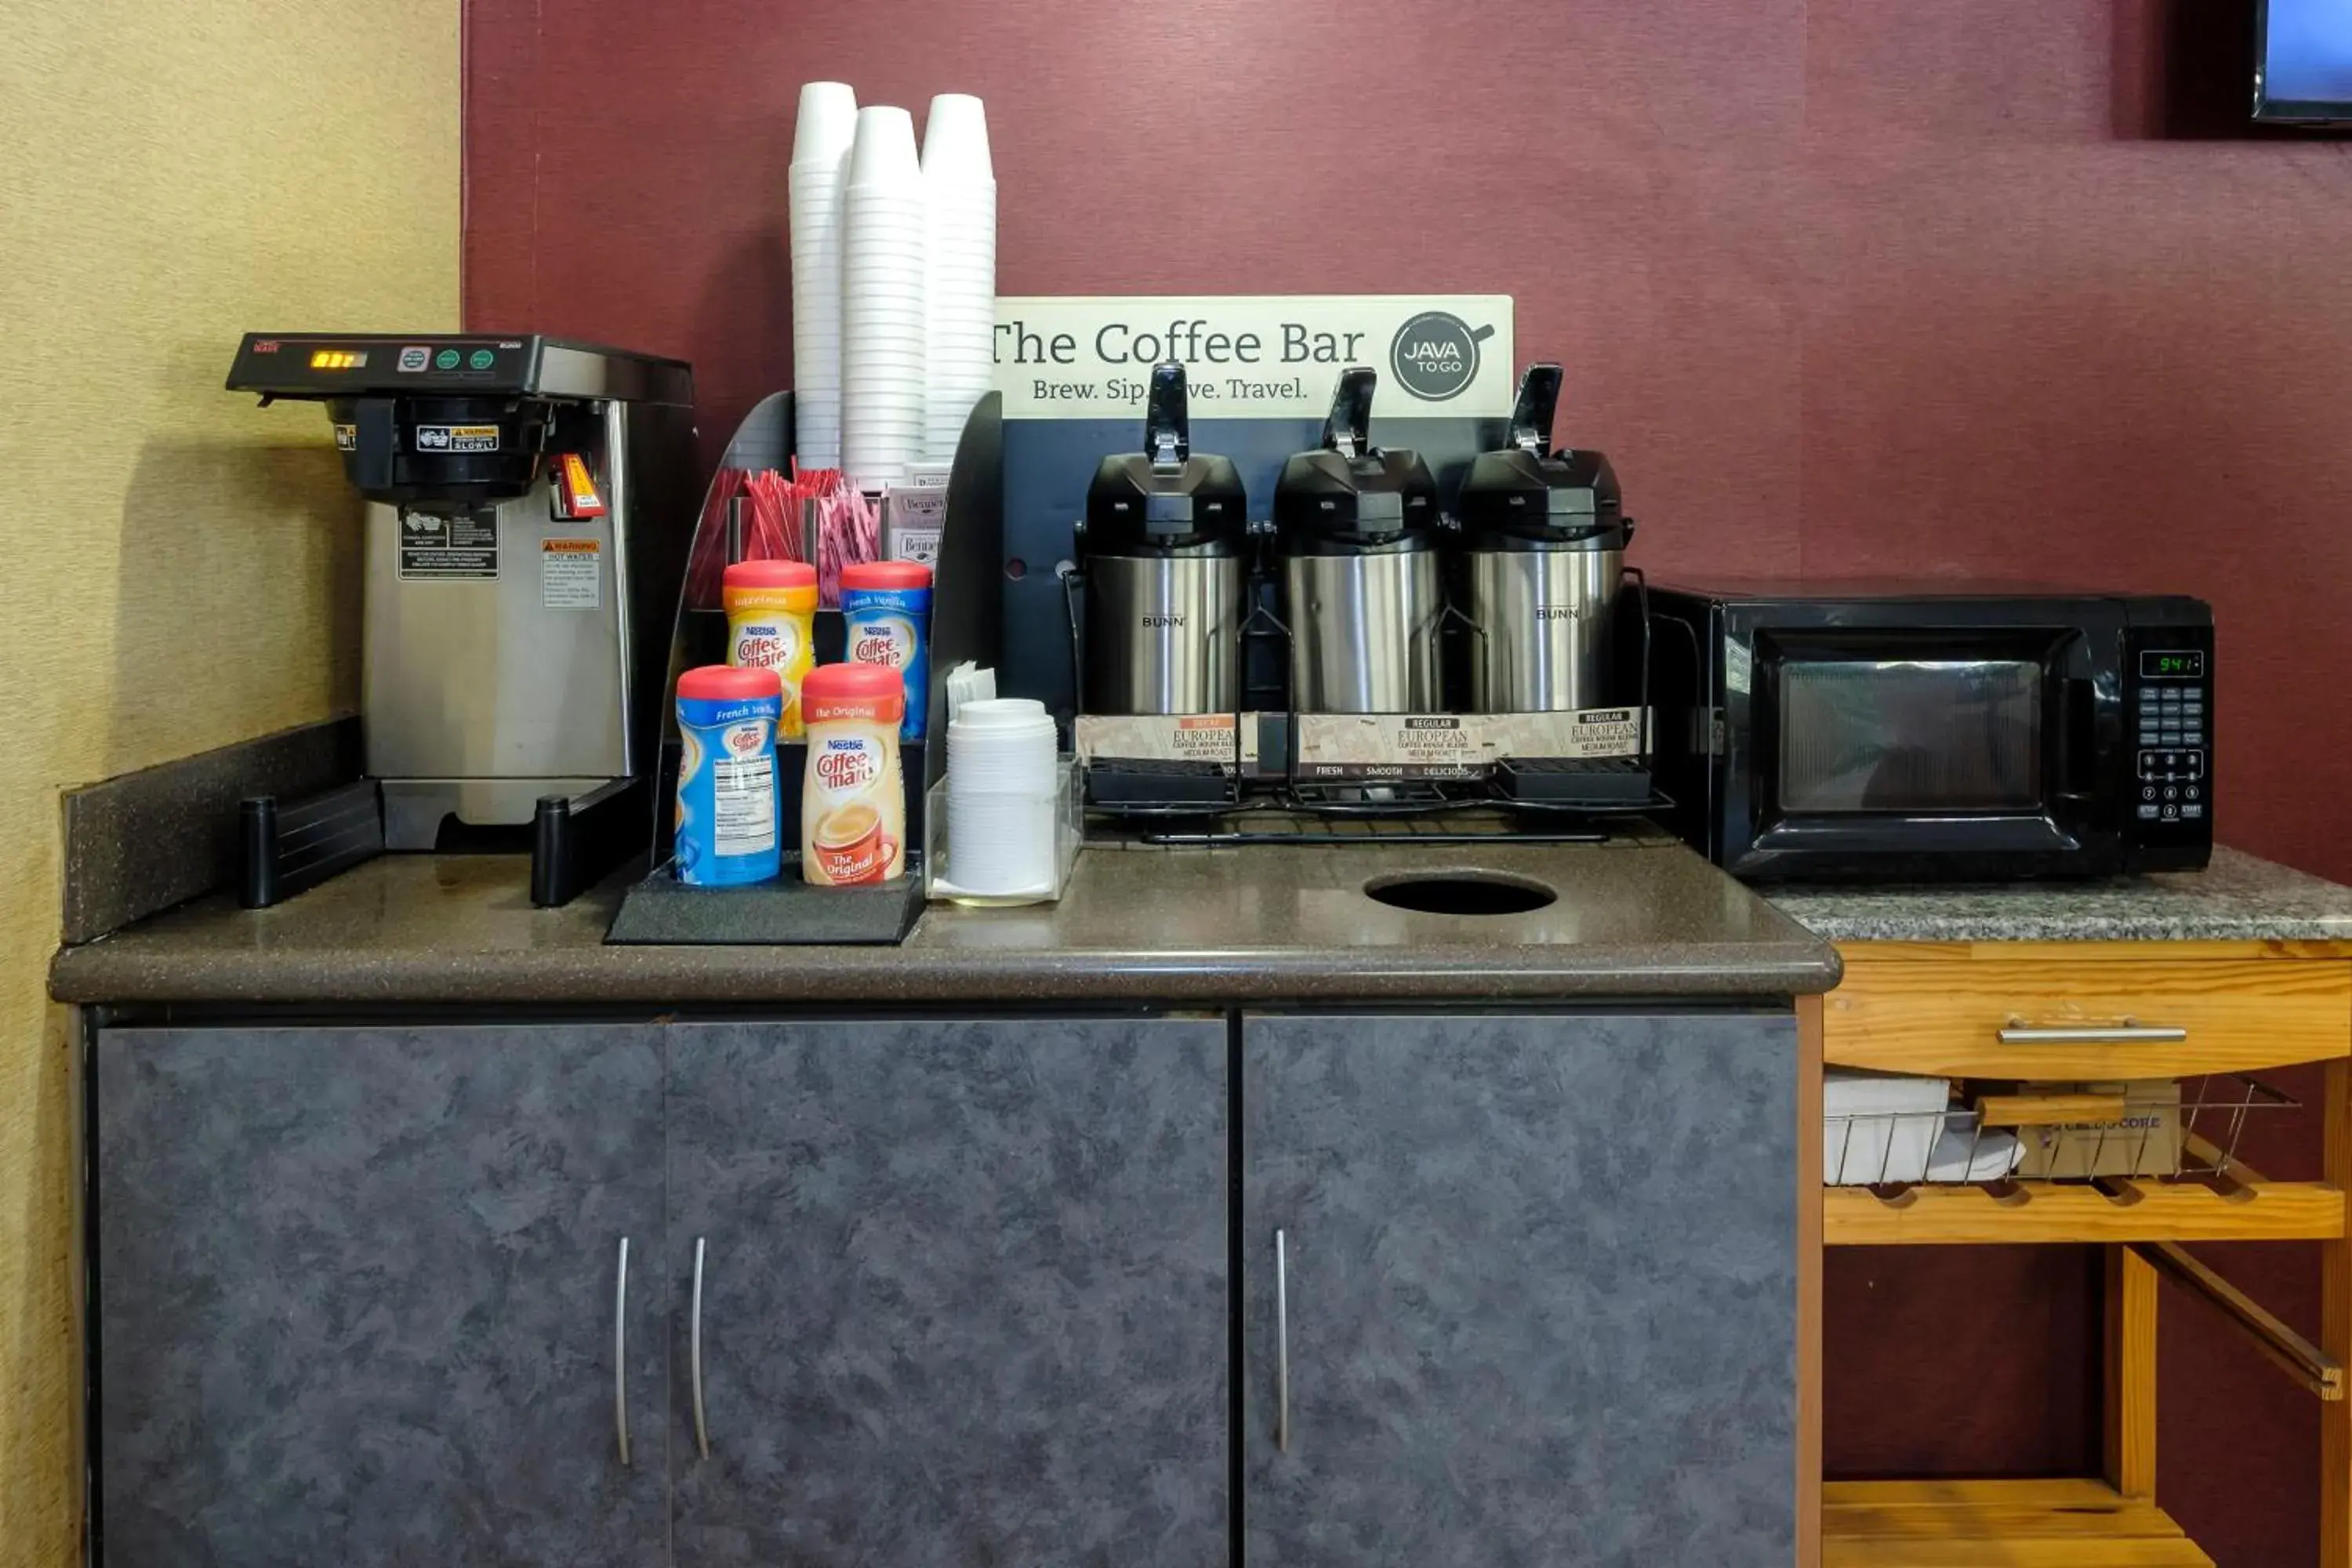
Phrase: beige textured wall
(176, 568)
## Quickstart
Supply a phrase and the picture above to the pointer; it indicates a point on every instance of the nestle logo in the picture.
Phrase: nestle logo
(1163, 620)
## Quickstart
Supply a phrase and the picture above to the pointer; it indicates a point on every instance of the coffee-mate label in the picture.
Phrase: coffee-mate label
(770, 629)
(853, 806)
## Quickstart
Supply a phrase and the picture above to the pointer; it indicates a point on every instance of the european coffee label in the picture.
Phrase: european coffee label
(1369, 745)
(1464, 744)
(1255, 357)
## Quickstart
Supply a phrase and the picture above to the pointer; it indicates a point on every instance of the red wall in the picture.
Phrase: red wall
(1843, 286)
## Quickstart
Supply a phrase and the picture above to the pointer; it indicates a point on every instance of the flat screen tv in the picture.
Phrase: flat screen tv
(2302, 62)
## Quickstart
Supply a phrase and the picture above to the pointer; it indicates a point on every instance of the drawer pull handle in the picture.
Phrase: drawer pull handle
(2127, 1032)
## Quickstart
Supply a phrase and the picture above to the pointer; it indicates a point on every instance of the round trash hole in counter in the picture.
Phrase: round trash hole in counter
(1461, 894)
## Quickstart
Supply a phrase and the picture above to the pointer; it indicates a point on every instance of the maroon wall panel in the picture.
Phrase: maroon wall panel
(1846, 285)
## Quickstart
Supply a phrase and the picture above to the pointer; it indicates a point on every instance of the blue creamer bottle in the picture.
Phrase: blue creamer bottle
(886, 618)
(729, 826)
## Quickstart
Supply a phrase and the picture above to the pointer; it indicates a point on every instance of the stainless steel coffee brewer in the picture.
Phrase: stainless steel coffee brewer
(1161, 553)
(1543, 550)
(1357, 530)
(532, 503)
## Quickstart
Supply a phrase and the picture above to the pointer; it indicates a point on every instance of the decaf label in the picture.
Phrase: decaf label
(1254, 356)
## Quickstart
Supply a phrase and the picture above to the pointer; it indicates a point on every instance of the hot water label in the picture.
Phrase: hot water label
(570, 574)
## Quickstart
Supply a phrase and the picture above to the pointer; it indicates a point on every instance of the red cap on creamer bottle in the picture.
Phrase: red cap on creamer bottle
(873, 691)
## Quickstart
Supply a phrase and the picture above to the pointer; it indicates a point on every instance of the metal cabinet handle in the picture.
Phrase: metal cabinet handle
(694, 1355)
(1281, 1343)
(2129, 1032)
(621, 1354)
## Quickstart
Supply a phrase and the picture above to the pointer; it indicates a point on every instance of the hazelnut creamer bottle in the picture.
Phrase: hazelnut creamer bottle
(853, 802)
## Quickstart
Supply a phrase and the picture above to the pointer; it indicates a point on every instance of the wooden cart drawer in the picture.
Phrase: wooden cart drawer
(2162, 1017)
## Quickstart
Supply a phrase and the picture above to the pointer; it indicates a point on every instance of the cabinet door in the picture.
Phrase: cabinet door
(963, 1299)
(356, 1296)
(1538, 1281)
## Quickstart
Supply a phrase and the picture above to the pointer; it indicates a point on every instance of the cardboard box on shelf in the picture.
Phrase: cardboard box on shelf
(2145, 1143)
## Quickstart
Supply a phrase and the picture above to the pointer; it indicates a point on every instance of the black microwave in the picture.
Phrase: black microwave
(1864, 732)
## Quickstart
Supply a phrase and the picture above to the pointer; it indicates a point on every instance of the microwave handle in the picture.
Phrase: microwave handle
(2077, 742)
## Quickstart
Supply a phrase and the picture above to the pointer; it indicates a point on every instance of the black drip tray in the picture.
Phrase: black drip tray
(662, 910)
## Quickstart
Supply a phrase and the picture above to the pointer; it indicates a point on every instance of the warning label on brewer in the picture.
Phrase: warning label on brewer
(448, 548)
(568, 574)
(457, 438)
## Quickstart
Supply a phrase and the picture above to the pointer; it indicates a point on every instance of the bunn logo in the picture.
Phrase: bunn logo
(1559, 613)
(1163, 620)
(1436, 355)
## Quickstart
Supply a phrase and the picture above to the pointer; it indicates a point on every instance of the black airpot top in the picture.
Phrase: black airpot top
(1348, 496)
(1167, 498)
(1528, 497)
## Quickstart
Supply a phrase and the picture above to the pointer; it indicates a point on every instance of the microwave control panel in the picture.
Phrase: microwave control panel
(2170, 712)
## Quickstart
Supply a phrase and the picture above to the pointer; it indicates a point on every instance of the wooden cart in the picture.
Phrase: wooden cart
(2088, 1012)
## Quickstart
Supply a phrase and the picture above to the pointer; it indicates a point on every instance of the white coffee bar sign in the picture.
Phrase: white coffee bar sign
(1255, 357)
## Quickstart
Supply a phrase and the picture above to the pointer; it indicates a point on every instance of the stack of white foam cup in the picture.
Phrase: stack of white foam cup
(882, 289)
(960, 193)
(819, 188)
(1002, 784)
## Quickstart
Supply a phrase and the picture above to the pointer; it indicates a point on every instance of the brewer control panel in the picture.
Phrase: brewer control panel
(385, 365)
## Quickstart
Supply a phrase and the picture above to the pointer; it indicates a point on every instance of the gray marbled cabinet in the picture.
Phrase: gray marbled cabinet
(967, 1294)
(1541, 1293)
(356, 1294)
(963, 1297)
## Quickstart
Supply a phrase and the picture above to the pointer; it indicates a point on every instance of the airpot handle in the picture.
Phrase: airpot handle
(1167, 419)
(1348, 430)
(1531, 416)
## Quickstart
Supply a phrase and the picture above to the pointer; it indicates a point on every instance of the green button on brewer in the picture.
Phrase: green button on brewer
(483, 359)
(446, 359)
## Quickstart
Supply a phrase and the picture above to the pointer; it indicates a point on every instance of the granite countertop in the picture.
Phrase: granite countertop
(1263, 923)
(2237, 898)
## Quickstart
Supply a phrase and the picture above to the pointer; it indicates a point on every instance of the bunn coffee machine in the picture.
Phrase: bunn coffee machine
(1357, 529)
(1543, 549)
(532, 503)
(1161, 555)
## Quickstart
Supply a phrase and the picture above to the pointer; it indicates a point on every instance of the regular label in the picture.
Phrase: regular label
(436, 548)
(457, 438)
(570, 574)
(743, 800)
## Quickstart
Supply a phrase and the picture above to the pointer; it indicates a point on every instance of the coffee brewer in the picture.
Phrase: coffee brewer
(1161, 553)
(1543, 550)
(1356, 529)
(532, 503)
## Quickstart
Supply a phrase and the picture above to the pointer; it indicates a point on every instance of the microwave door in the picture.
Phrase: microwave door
(1959, 751)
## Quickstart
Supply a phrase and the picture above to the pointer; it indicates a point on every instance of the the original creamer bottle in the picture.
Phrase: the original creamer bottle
(853, 801)
(771, 615)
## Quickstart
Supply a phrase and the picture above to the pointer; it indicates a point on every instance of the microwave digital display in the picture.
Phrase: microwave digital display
(2172, 664)
(1910, 736)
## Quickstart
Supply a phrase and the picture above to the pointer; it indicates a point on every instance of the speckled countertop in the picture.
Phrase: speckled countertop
(2237, 898)
(1265, 923)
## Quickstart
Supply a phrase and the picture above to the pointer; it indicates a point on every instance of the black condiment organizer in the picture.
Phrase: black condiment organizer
(966, 624)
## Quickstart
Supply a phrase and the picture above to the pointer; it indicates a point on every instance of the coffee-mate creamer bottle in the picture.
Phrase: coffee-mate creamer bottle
(852, 803)
(771, 611)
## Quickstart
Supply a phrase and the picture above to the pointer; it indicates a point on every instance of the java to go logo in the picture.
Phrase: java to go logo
(1436, 355)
